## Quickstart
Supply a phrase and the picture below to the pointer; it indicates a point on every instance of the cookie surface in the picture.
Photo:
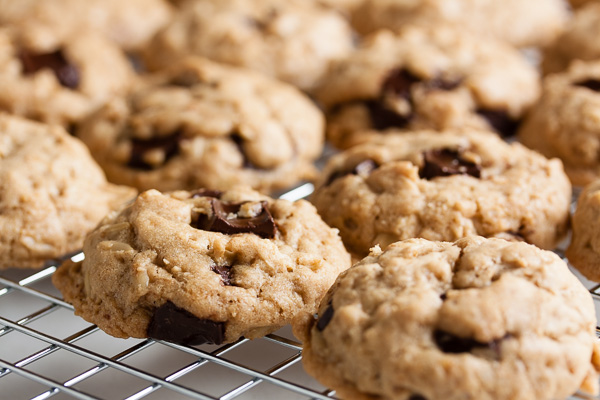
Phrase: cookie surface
(203, 124)
(530, 23)
(435, 77)
(62, 84)
(217, 265)
(294, 40)
(51, 193)
(478, 318)
(443, 186)
(565, 123)
(578, 42)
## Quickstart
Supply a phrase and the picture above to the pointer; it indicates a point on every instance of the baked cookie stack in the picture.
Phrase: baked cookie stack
(210, 108)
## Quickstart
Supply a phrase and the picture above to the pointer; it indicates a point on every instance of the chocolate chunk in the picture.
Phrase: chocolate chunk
(443, 84)
(592, 84)
(417, 397)
(225, 219)
(443, 296)
(207, 193)
(383, 118)
(450, 343)
(446, 162)
(224, 271)
(66, 73)
(500, 121)
(139, 147)
(325, 318)
(399, 83)
(362, 169)
(177, 325)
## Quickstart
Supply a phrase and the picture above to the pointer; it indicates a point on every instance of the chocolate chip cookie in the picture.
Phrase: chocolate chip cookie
(203, 266)
(578, 42)
(435, 77)
(202, 124)
(60, 84)
(292, 40)
(475, 319)
(443, 186)
(520, 23)
(565, 123)
(51, 193)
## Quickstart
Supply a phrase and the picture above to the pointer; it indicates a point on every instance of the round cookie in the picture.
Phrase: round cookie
(63, 84)
(51, 193)
(584, 250)
(565, 123)
(203, 124)
(49, 23)
(578, 42)
(293, 40)
(435, 77)
(203, 267)
(443, 186)
(479, 319)
(520, 23)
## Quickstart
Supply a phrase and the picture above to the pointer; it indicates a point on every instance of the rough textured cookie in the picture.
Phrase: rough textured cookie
(584, 250)
(49, 23)
(579, 41)
(202, 124)
(203, 267)
(62, 84)
(521, 23)
(435, 77)
(566, 121)
(443, 186)
(51, 193)
(475, 319)
(293, 40)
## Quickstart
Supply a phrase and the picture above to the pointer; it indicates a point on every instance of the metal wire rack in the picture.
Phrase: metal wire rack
(48, 352)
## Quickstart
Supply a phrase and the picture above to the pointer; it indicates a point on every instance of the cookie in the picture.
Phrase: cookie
(520, 23)
(293, 40)
(203, 267)
(49, 23)
(63, 84)
(565, 123)
(436, 77)
(51, 193)
(443, 186)
(578, 42)
(475, 319)
(584, 250)
(203, 124)
(579, 3)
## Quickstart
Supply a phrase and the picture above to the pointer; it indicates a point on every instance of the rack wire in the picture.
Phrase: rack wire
(48, 352)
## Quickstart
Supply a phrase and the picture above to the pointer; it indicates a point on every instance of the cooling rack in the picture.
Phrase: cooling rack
(48, 352)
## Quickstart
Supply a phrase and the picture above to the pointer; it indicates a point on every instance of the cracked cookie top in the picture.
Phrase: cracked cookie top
(203, 266)
(202, 124)
(443, 186)
(478, 318)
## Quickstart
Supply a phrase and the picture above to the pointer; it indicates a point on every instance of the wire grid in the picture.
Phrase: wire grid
(192, 375)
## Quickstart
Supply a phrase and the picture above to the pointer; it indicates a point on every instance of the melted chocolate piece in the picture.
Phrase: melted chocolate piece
(221, 220)
(383, 118)
(446, 162)
(66, 73)
(207, 193)
(325, 318)
(168, 144)
(224, 271)
(592, 84)
(500, 122)
(450, 343)
(363, 168)
(399, 83)
(177, 325)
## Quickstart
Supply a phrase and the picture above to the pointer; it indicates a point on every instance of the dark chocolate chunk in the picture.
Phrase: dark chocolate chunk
(177, 325)
(363, 168)
(383, 118)
(168, 144)
(224, 271)
(446, 162)
(325, 318)
(66, 73)
(592, 84)
(500, 121)
(443, 296)
(207, 193)
(417, 397)
(225, 219)
(440, 83)
(399, 83)
(450, 343)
